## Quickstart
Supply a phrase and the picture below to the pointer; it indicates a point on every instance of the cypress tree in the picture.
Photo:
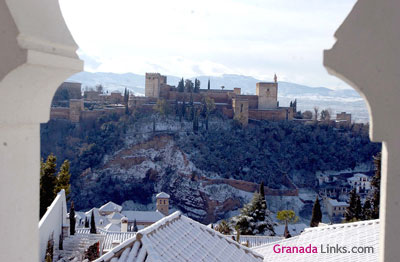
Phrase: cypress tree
(262, 193)
(367, 210)
(92, 224)
(376, 183)
(86, 222)
(263, 202)
(135, 228)
(196, 85)
(48, 258)
(316, 213)
(354, 210)
(72, 219)
(47, 183)
(358, 213)
(183, 108)
(63, 179)
(181, 86)
(208, 86)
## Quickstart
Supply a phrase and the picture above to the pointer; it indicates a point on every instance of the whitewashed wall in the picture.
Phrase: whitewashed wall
(52, 223)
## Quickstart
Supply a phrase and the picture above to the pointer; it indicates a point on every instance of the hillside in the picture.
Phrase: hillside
(207, 174)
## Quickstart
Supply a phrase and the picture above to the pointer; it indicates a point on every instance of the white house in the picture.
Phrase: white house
(361, 182)
(335, 209)
(109, 215)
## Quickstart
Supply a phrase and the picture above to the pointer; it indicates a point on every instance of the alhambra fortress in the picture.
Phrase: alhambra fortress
(68, 102)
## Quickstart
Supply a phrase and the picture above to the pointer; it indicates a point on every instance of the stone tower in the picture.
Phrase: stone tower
(241, 110)
(163, 203)
(267, 93)
(153, 84)
(75, 109)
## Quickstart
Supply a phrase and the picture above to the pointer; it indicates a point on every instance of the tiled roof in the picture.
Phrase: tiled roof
(110, 237)
(255, 241)
(112, 227)
(177, 238)
(143, 216)
(100, 220)
(110, 207)
(162, 195)
(115, 216)
(357, 234)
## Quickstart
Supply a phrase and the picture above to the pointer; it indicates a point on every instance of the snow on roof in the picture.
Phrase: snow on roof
(110, 207)
(99, 220)
(112, 227)
(357, 234)
(360, 175)
(255, 241)
(334, 202)
(353, 178)
(110, 236)
(162, 195)
(115, 216)
(143, 216)
(178, 238)
(294, 229)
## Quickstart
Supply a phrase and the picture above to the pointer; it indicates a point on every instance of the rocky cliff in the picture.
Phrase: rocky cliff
(154, 163)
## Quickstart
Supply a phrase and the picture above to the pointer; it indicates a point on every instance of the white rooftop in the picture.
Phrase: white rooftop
(162, 195)
(361, 175)
(177, 238)
(357, 234)
(115, 216)
(110, 236)
(110, 207)
(113, 227)
(143, 216)
(334, 202)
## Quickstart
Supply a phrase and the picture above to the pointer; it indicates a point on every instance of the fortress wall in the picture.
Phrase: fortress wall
(277, 114)
(253, 187)
(227, 112)
(59, 113)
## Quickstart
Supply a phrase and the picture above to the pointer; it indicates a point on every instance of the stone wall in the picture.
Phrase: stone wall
(253, 187)
(59, 113)
(282, 113)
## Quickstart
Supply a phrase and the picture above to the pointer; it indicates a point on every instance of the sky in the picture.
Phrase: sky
(189, 38)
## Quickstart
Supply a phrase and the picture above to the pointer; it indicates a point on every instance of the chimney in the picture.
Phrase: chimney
(163, 203)
(124, 224)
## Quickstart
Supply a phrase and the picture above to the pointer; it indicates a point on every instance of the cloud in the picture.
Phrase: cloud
(187, 38)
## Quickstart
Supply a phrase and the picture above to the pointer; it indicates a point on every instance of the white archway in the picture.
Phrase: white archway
(37, 53)
(366, 55)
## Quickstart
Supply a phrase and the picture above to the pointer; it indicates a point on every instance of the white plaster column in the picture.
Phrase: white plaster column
(367, 56)
(37, 53)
